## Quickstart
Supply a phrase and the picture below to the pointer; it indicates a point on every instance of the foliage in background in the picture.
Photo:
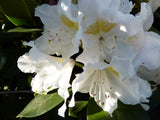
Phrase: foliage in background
(18, 24)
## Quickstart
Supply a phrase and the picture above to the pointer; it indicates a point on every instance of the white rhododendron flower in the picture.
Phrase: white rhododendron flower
(58, 38)
(59, 32)
(50, 74)
(115, 45)
(106, 88)
(146, 43)
(109, 55)
(102, 27)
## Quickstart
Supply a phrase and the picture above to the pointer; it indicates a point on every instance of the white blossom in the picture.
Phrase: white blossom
(111, 44)
(59, 32)
(115, 44)
(50, 74)
(101, 28)
(106, 88)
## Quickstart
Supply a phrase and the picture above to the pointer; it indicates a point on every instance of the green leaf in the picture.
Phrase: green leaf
(77, 109)
(17, 21)
(123, 112)
(130, 112)
(18, 9)
(94, 112)
(40, 105)
(154, 30)
(20, 29)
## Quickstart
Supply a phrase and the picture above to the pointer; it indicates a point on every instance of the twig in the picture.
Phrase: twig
(13, 92)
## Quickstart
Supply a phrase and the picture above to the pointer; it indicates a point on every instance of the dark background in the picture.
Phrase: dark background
(15, 90)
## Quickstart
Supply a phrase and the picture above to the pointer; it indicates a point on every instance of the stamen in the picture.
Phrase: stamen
(101, 38)
(106, 61)
(75, 1)
(98, 101)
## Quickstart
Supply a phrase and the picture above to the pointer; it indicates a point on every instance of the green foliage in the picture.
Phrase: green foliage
(18, 21)
(20, 29)
(130, 112)
(19, 12)
(94, 112)
(123, 112)
(78, 109)
(40, 105)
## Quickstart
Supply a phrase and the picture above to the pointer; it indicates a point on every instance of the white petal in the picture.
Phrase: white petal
(149, 55)
(62, 109)
(146, 16)
(92, 81)
(124, 50)
(69, 9)
(58, 41)
(48, 15)
(106, 87)
(126, 6)
(26, 64)
(65, 78)
(145, 106)
(50, 77)
(123, 66)
(87, 7)
(134, 90)
(37, 55)
(44, 80)
(109, 4)
(137, 40)
(110, 104)
(58, 34)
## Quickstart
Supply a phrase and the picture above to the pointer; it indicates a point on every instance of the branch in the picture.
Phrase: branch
(13, 92)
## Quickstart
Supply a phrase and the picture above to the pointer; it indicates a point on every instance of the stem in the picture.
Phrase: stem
(13, 92)
(79, 64)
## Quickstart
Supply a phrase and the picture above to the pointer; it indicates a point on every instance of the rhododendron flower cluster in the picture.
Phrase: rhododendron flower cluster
(115, 44)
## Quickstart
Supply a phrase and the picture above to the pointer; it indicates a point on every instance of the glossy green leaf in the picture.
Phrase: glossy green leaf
(131, 112)
(94, 112)
(40, 105)
(77, 109)
(123, 112)
(18, 11)
(154, 30)
(17, 21)
(20, 29)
